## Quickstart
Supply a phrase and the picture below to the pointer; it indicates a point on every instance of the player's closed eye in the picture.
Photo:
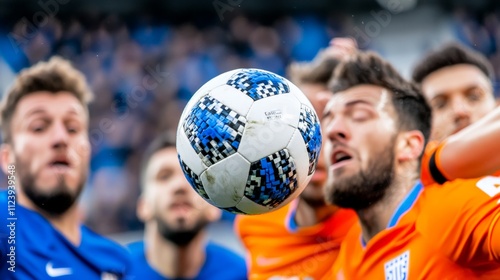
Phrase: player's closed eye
(474, 94)
(360, 115)
(38, 126)
(164, 175)
(439, 102)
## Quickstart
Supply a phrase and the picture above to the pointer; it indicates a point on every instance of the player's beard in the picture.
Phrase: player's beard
(367, 187)
(179, 234)
(54, 202)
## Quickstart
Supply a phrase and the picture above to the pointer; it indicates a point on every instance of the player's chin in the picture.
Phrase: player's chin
(52, 183)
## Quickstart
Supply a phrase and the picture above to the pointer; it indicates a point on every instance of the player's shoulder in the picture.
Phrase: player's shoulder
(218, 257)
(136, 249)
(103, 247)
(136, 246)
(217, 251)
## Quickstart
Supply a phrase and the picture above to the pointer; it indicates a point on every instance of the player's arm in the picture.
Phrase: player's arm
(471, 152)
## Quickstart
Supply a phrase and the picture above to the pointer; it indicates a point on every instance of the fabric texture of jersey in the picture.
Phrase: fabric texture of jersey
(31, 248)
(220, 264)
(448, 231)
(278, 249)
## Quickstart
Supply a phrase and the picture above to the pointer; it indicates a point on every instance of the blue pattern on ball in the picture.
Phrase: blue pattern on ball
(310, 130)
(214, 130)
(272, 179)
(258, 84)
(193, 179)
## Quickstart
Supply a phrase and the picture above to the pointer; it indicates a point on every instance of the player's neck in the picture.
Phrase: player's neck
(68, 224)
(307, 215)
(376, 218)
(172, 261)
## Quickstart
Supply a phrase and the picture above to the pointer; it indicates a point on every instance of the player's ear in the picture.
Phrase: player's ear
(143, 211)
(410, 145)
(6, 156)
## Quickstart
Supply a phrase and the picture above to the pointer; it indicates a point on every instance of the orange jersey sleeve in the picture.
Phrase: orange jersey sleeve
(431, 169)
(463, 215)
(278, 249)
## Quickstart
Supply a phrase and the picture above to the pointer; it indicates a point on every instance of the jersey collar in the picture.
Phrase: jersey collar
(403, 207)
(406, 204)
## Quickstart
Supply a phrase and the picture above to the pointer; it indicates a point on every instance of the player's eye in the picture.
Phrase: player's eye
(72, 129)
(38, 126)
(439, 103)
(360, 115)
(474, 94)
(164, 175)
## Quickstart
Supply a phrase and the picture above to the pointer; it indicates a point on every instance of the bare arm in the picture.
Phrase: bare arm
(474, 151)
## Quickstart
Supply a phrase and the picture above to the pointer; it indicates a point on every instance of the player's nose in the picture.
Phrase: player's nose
(336, 130)
(59, 135)
(461, 108)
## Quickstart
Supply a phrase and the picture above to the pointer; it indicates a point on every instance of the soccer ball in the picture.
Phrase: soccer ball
(248, 141)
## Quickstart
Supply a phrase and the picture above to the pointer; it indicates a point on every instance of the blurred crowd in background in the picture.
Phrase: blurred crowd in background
(143, 70)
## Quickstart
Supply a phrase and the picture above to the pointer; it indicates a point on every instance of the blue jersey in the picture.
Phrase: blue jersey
(31, 248)
(220, 264)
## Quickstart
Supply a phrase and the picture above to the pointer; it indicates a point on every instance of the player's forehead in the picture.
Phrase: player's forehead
(373, 96)
(47, 103)
(454, 79)
(163, 159)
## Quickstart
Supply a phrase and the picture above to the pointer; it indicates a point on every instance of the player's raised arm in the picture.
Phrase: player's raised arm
(473, 152)
(456, 81)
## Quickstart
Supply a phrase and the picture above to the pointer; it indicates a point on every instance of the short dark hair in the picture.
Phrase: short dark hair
(318, 71)
(449, 55)
(164, 140)
(413, 111)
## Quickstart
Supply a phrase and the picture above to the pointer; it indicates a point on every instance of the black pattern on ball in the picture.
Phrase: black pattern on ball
(193, 179)
(214, 130)
(258, 84)
(272, 179)
(233, 210)
(311, 133)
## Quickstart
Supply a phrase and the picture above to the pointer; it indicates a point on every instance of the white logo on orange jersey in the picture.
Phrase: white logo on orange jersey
(397, 268)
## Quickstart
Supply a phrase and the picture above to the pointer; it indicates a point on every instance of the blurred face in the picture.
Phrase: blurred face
(459, 95)
(50, 149)
(313, 194)
(360, 133)
(171, 203)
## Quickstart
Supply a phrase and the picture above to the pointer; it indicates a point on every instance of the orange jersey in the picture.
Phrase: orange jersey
(427, 159)
(278, 249)
(438, 232)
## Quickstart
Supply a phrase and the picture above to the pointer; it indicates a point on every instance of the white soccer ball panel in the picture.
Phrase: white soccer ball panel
(187, 153)
(271, 123)
(263, 139)
(283, 108)
(298, 151)
(233, 98)
(225, 181)
(251, 208)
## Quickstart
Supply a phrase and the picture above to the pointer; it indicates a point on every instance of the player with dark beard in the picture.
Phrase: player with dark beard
(302, 239)
(175, 216)
(376, 127)
(45, 153)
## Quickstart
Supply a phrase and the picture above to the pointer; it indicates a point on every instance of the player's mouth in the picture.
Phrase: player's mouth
(60, 164)
(339, 158)
(182, 207)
